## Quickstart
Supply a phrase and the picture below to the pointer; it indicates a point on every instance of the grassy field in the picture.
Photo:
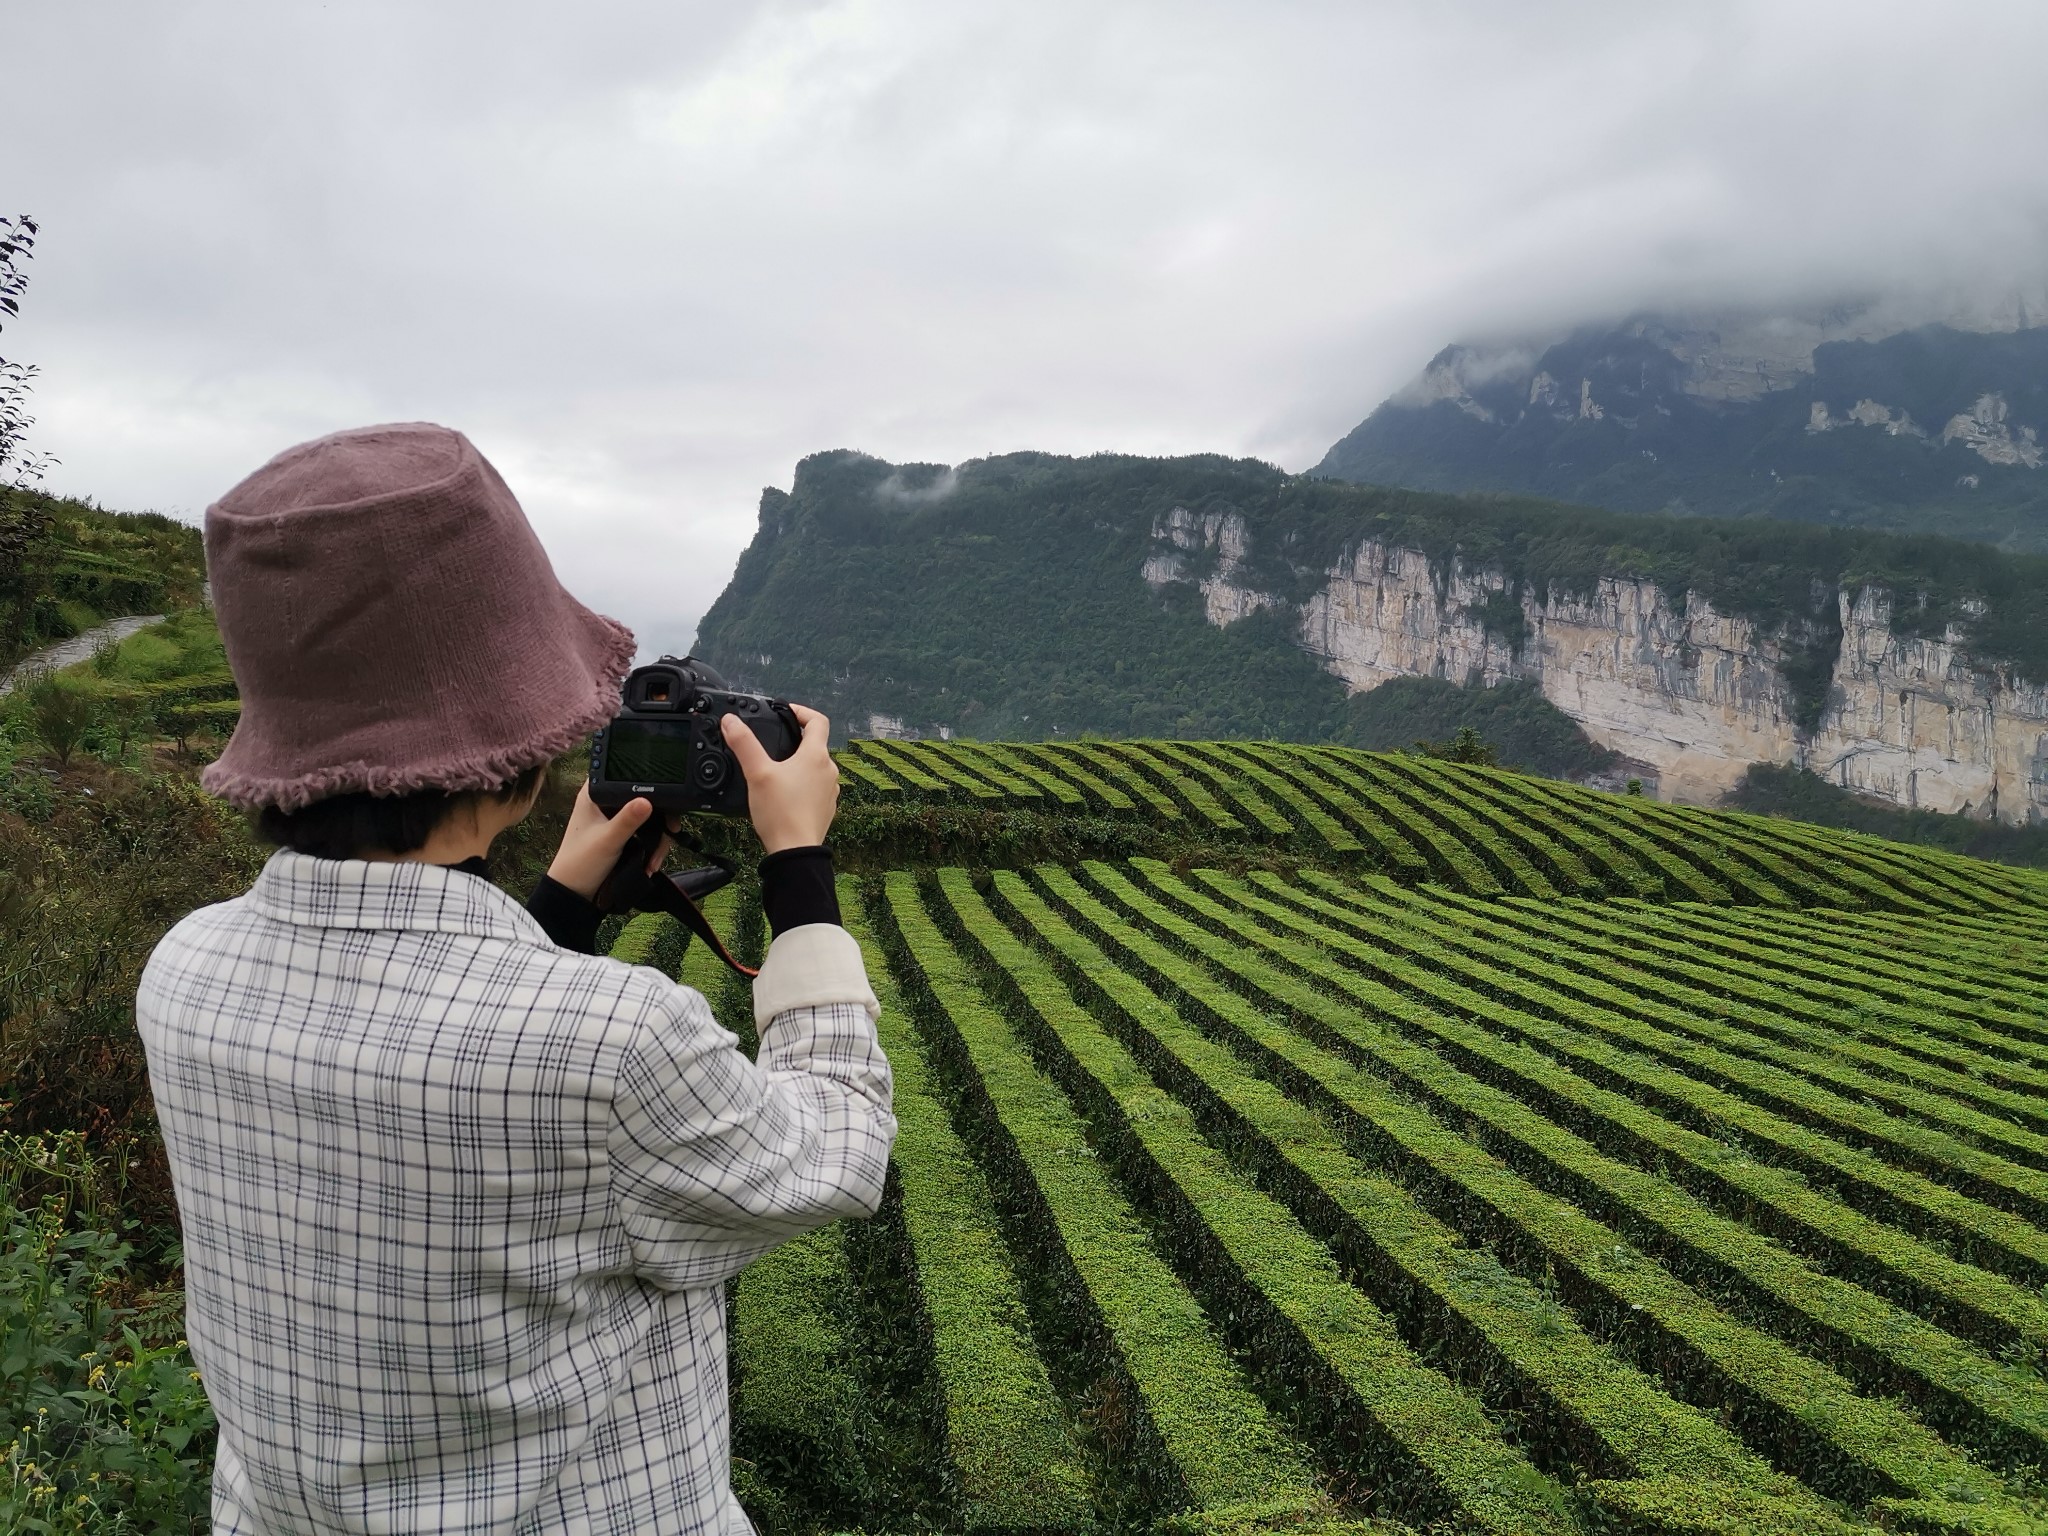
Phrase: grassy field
(1293, 1138)
(1419, 1147)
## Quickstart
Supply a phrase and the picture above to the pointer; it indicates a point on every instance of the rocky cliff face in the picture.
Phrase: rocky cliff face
(1695, 695)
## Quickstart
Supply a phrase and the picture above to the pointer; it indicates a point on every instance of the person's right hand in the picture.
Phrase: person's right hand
(792, 802)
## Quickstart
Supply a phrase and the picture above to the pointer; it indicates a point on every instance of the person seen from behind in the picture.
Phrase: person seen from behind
(460, 1197)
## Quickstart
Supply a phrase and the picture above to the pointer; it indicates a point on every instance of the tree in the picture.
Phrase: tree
(1467, 746)
(62, 713)
(17, 246)
(25, 524)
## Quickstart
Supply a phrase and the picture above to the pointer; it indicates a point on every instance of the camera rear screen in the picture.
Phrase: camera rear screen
(647, 751)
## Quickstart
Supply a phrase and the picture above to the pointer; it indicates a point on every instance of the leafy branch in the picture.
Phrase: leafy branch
(17, 247)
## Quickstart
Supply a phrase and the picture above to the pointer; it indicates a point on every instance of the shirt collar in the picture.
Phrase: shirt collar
(410, 897)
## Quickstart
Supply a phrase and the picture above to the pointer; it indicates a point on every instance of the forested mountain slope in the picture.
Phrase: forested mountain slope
(1928, 430)
(1033, 596)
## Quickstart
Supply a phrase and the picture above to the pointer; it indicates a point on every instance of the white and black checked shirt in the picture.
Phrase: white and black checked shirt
(459, 1206)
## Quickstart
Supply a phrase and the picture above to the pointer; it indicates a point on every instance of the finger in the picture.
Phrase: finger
(632, 816)
(816, 730)
(746, 746)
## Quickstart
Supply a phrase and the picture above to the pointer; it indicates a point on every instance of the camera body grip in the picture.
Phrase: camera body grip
(667, 743)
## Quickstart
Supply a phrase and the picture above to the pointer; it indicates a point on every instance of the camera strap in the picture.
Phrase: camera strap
(667, 894)
(629, 887)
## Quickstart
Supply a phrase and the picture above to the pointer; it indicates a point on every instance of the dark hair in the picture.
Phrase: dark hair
(347, 826)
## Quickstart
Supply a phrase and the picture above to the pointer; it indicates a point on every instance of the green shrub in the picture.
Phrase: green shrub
(63, 712)
(86, 890)
(104, 1433)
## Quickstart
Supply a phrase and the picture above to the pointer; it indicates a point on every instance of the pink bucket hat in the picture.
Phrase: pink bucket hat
(394, 625)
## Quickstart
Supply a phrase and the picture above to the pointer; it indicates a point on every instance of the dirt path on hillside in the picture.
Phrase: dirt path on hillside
(77, 648)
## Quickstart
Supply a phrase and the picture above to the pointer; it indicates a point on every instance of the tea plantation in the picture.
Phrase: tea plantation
(1410, 1147)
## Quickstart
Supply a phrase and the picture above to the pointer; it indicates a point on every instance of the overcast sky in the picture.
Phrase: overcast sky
(648, 255)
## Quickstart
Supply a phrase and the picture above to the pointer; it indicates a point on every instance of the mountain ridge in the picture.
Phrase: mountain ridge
(1032, 596)
(1929, 429)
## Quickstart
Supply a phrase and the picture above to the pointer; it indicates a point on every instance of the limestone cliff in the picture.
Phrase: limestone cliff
(1694, 694)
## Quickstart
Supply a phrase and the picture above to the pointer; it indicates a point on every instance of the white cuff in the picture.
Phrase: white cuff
(812, 965)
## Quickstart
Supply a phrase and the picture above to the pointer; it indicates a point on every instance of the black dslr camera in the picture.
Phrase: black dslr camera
(666, 743)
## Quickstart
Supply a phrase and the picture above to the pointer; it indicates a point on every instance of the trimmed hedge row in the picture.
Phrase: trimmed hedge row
(1726, 1005)
(1834, 970)
(1481, 830)
(1388, 843)
(1920, 1275)
(652, 939)
(1188, 790)
(2000, 1410)
(1067, 768)
(1013, 1460)
(1502, 1338)
(1404, 1440)
(1799, 1413)
(1177, 1424)
(1938, 953)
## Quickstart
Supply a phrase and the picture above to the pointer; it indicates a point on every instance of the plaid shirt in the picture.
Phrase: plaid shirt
(459, 1205)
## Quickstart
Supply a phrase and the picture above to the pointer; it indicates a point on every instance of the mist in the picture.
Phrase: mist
(649, 255)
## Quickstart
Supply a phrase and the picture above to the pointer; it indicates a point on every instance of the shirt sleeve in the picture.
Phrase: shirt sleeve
(715, 1158)
(797, 888)
(568, 919)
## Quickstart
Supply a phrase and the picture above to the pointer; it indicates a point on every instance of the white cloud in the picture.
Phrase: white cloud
(651, 254)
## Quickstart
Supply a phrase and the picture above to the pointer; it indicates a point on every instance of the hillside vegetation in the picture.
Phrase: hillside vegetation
(66, 565)
(870, 589)
(1293, 1138)
(1784, 791)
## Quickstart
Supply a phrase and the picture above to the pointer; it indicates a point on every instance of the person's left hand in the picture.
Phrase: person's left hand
(593, 841)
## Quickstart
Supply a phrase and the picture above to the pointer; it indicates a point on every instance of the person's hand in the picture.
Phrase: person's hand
(791, 802)
(593, 841)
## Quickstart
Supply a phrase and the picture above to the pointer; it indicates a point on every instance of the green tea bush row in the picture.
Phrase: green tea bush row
(1541, 864)
(1936, 954)
(1669, 875)
(1067, 767)
(1480, 830)
(1503, 1338)
(1750, 1017)
(1042, 779)
(1279, 790)
(1012, 1461)
(1992, 1238)
(1448, 855)
(1998, 1409)
(1822, 969)
(1402, 1436)
(1186, 789)
(1575, 858)
(1899, 1007)
(1178, 1425)
(949, 768)
(1393, 849)
(1793, 1408)
(1506, 867)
